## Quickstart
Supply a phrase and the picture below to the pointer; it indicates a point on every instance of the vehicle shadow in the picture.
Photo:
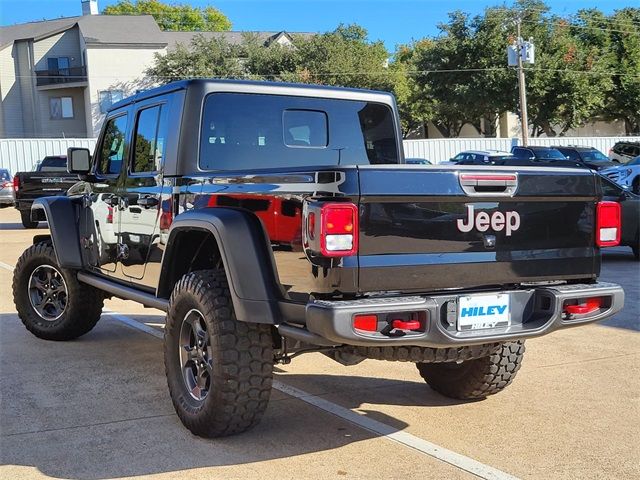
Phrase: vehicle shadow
(98, 407)
(619, 266)
(19, 226)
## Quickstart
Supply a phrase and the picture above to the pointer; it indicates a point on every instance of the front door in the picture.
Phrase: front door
(144, 194)
(103, 212)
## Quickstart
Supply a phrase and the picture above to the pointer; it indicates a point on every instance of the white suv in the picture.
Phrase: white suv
(623, 152)
(625, 175)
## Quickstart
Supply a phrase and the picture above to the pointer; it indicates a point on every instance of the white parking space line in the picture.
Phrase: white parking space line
(404, 438)
(6, 266)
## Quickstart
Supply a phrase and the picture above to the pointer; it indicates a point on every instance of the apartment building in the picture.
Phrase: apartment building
(58, 77)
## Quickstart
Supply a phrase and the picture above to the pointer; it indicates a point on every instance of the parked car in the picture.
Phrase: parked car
(478, 157)
(49, 178)
(541, 156)
(630, 206)
(589, 157)
(417, 161)
(6, 188)
(624, 152)
(451, 268)
(627, 175)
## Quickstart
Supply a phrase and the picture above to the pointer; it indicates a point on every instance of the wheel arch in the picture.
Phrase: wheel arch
(62, 215)
(212, 237)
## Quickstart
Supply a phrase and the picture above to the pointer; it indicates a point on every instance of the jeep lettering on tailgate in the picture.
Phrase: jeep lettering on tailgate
(482, 221)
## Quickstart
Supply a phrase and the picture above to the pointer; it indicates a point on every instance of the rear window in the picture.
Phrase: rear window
(250, 131)
(53, 164)
(4, 175)
(551, 153)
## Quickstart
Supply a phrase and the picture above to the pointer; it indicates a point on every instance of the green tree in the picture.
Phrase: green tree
(623, 96)
(344, 57)
(204, 58)
(173, 17)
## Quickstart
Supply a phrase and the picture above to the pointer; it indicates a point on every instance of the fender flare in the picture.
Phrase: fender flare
(246, 255)
(62, 215)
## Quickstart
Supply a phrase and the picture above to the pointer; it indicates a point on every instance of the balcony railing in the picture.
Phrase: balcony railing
(61, 75)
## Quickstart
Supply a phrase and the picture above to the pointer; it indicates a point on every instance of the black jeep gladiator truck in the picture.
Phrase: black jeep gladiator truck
(50, 177)
(285, 221)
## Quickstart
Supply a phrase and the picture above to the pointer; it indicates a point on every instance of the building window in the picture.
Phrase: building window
(106, 98)
(61, 107)
(58, 65)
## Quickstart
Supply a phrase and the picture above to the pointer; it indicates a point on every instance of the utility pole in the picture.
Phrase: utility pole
(522, 87)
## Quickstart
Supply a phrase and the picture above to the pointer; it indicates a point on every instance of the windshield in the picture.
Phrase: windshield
(251, 131)
(53, 164)
(594, 156)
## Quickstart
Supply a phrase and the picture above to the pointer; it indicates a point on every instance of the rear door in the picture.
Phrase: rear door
(452, 227)
(139, 229)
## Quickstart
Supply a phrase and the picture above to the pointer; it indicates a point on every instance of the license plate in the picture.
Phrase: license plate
(480, 312)
(134, 238)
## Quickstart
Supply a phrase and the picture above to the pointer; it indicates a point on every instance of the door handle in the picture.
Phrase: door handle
(147, 202)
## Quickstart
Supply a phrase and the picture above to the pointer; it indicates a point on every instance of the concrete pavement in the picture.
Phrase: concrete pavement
(98, 407)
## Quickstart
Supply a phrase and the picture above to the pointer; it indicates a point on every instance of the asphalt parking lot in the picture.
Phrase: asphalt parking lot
(98, 407)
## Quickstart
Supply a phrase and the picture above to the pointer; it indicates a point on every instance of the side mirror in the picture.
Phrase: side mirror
(78, 160)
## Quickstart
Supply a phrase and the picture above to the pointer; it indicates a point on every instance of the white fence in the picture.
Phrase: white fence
(21, 154)
(442, 149)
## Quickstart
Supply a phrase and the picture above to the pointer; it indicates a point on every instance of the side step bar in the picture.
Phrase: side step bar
(122, 291)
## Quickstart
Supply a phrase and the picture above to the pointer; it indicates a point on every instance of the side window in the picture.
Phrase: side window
(572, 154)
(520, 153)
(305, 128)
(609, 189)
(112, 148)
(150, 140)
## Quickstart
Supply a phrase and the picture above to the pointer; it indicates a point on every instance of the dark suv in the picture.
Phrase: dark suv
(624, 152)
(540, 156)
(589, 157)
(270, 220)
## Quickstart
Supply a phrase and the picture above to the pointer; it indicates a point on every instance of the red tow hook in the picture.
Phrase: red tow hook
(406, 324)
(589, 306)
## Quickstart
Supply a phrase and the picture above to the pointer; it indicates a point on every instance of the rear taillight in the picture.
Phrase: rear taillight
(608, 224)
(338, 229)
(16, 183)
(109, 214)
(166, 218)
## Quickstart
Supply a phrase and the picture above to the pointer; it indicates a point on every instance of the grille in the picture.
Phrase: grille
(613, 176)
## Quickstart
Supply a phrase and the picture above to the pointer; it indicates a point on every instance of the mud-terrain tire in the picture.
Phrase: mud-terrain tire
(425, 354)
(475, 379)
(25, 216)
(37, 279)
(222, 385)
(635, 186)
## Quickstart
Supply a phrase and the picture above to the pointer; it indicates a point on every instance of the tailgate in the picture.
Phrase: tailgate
(44, 184)
(425, 229)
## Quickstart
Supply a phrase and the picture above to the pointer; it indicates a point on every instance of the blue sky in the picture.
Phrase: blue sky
(392, 21)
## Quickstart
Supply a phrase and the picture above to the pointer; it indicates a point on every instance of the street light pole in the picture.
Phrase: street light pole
(524, 124)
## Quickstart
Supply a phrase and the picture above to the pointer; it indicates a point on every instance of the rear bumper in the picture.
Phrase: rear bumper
(534, 312)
